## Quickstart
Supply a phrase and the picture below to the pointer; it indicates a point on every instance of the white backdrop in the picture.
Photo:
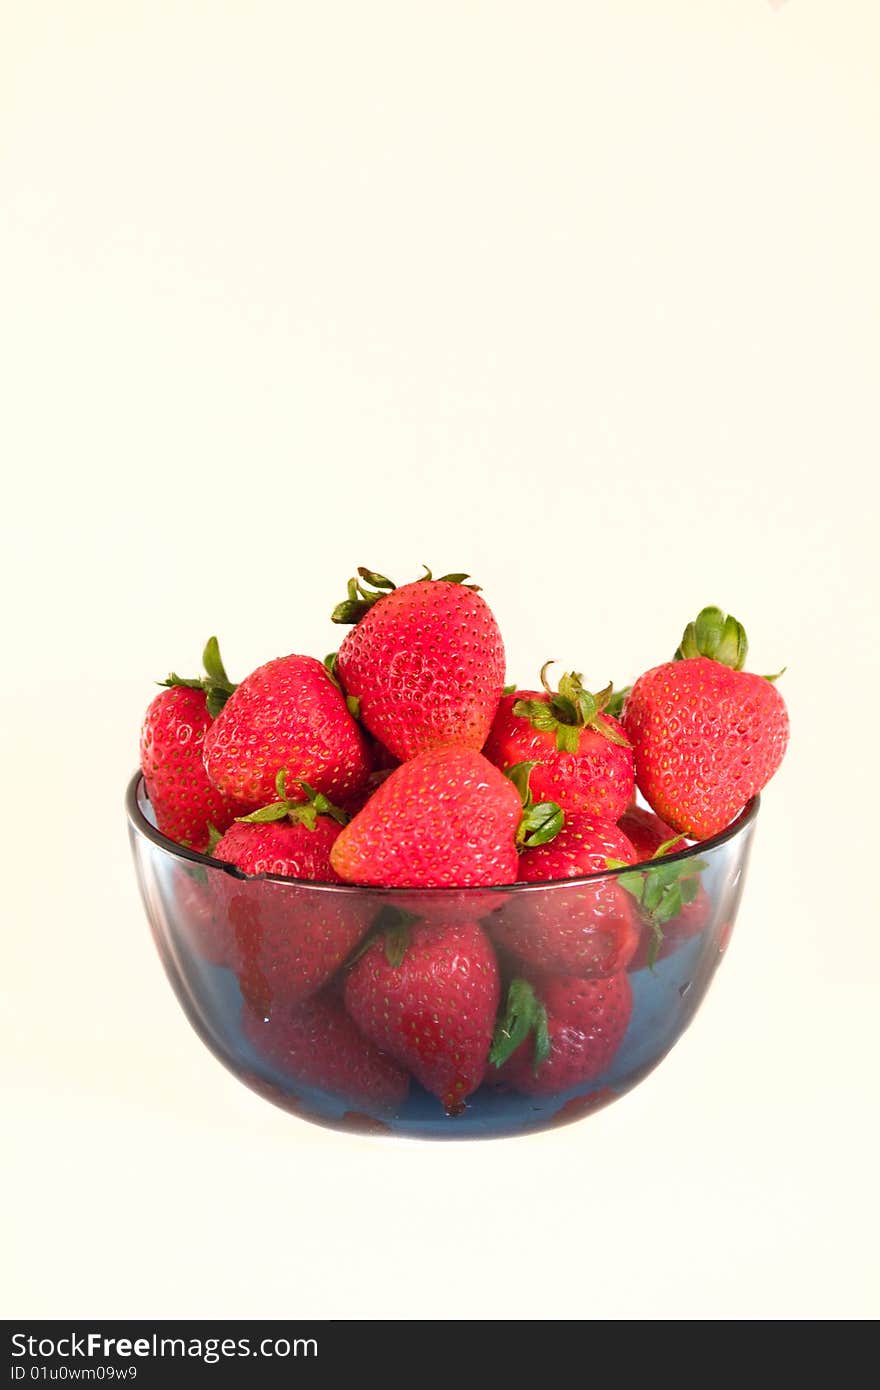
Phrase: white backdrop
(581, 298)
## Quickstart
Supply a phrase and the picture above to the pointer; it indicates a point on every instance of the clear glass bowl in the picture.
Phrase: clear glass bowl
(199, 908)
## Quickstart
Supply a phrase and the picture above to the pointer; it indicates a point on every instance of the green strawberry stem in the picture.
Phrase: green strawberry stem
(299, 812)
(369, 587)
(570, 710)
(541, 821)
(215, 682)
(524, 1014)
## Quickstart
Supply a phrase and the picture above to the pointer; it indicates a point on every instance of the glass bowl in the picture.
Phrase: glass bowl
(207, 917)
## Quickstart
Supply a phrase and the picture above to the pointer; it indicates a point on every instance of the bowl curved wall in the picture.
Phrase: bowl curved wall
(210, 924)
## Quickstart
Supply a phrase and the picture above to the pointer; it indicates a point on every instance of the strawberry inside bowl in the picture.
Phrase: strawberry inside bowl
(473, 1012)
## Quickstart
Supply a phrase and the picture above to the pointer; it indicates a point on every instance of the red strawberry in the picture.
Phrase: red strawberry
(374, 781)
(286, 714)
(317, 1044)
(172, 738)
(428, 994)
(425, 662)
(582, 758)
(445, 819)
(200, 909)
(289, 939)
(707, 736)
(288, 837)
(587, 929)
(647, 833)
(578, 1025)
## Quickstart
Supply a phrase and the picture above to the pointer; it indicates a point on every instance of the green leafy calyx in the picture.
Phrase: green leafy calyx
(716, 635)
(352, 702)
(566, 712)
(523, 1014)
(720, 637)
(368, 587)
(396, 944)
(542, 820)
(661, 889)
(298, 812)
(616, 701)
(215, 682)
(391, 926)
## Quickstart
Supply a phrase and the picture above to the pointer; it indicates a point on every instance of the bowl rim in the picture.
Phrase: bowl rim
(142, 826)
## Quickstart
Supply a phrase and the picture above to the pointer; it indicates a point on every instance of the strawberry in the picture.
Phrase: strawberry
(427, 993)
(447, 818)
(201, 912)
(288, 940)
(582, 758)
(172, 739)
(588, 929)
(672, 903)
(707, 735)
(647, 832)
(425, 662)
(317, 1044)
(374, 781)
(577, 1027)
(288, 837)
(286, 714)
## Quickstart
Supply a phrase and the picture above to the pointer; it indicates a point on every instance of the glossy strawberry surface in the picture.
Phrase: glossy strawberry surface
(706, 739)
(646, 833)
(588, 930)
(431, 1004)
(171, 754)
(426, 664)
(288, 714)
(444, 819)
(596, 777)
(280, 847)
(286, 944)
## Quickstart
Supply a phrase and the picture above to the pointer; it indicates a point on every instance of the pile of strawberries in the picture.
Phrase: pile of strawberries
(402, 761)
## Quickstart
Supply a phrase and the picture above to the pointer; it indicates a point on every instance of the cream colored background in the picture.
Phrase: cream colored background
(581, 297)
